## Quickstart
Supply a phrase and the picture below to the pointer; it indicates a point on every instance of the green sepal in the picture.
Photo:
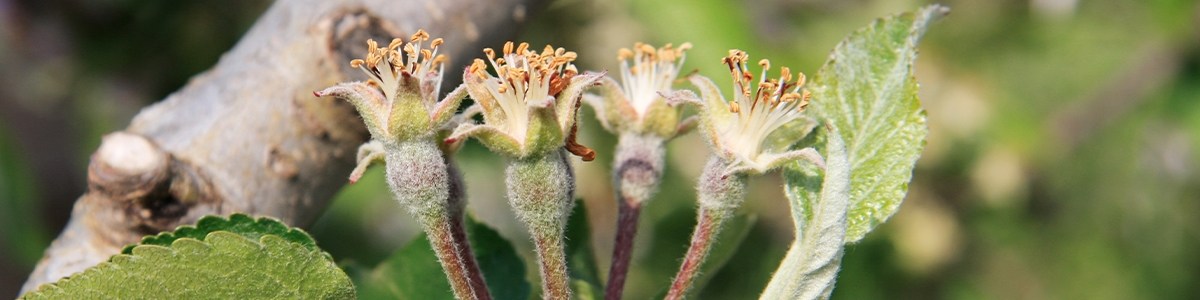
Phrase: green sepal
(491, 137)
(409, 118)
(543, 134)
(661, 119)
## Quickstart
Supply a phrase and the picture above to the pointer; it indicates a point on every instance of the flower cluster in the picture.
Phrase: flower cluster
(529, 101)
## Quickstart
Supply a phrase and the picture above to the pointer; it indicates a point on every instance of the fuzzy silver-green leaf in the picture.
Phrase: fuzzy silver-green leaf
(867, 91)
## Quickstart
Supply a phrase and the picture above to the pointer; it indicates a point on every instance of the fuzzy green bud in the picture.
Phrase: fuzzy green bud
(541, 191)
(418, 178)
(638, 166)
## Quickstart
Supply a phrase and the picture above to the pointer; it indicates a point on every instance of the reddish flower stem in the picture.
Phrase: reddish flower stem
(551, 251)
(627, 220)
(708, 225)
(458, 232)
(471, 267)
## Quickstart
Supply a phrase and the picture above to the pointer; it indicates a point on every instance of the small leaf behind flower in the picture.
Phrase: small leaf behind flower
(874, 130)
(867, 91)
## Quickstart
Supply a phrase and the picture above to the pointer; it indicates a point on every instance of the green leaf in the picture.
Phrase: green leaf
(581, 260)
(21, 230)
(868, 93)
(224, 265)
(810, 267)
(502, 268)
(413, 272)
(240, 224)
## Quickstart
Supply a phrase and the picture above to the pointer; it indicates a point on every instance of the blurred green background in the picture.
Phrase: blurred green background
(1064, 138)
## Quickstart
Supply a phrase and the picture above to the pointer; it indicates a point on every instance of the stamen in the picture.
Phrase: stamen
(396, 42)
(421, 35)
(624, 53)
(522, 48)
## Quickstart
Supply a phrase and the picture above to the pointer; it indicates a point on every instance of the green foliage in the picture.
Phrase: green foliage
(19, 228)
(868, 93)
(866, 96)
(240, 224)
(238, 258)
(581, 260)
(413, 272)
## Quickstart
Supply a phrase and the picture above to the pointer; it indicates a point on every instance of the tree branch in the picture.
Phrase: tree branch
(247, 135)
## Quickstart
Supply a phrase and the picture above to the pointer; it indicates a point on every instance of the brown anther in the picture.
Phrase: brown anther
(373, 60)
(440, 59)
(355, 63)
(420, 35)
(395, 43)
(523, 48)
(489, 52)
(478, 68)
(371, 45)
(508, 48)
(503, 89)
(789, 97)
(785, 75)
(734, 107)
(647, 49)
(728, 60)
(426, 54)
(765, 64)
(765, 86)
(624, 53)
(437, 42)
(685, 47)
(800, 79)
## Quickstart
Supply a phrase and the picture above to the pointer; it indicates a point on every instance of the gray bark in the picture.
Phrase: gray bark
(248, 135)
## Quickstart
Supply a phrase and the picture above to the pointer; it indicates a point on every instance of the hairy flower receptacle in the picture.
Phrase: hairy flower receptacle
(541, 191)
(638, 166)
